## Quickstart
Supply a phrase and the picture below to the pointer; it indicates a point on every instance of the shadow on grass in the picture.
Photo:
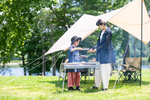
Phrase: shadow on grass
(86, 87)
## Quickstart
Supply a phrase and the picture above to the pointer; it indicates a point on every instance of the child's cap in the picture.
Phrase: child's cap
(74, 38)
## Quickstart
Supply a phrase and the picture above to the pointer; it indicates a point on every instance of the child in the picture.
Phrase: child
(74, 74)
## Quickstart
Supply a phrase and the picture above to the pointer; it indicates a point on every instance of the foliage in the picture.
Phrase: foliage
(58, 19)
(120, 40)
(16, 21)
(149, 58)
(31, 26)
(42, 39)
(45, 88)
(13, 27)
(147, 3)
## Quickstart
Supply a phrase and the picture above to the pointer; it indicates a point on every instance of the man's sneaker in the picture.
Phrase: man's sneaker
(93, 87)
(102, 89)
(78, 88)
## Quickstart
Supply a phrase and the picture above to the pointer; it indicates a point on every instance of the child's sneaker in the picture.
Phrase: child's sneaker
(70, 88)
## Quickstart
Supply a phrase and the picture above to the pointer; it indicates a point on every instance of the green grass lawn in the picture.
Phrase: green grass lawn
(44, 88)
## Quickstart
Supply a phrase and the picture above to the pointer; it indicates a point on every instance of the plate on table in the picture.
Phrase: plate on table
(84, 56)
(85, 48)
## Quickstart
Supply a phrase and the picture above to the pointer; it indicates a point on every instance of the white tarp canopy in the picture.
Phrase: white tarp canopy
(127, 18)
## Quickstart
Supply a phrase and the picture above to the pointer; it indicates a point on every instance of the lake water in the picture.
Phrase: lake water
(20, 72)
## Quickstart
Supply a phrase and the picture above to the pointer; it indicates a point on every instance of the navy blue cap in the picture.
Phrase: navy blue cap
(74, 38)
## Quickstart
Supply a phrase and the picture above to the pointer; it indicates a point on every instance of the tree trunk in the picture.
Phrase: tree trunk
(127, 54)
(54, 67)
(126, 46)
(44, 63)
(52, 41)
(53, 62)
(23, 65)
(29, 54)
(134, 47)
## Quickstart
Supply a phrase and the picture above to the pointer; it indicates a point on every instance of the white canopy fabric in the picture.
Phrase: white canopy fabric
(85, 26)
(127, 18)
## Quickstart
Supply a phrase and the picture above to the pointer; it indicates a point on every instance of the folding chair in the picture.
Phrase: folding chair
(130, 71)
(61, 74)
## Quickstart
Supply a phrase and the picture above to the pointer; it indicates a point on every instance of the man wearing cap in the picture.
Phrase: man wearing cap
(74, 74)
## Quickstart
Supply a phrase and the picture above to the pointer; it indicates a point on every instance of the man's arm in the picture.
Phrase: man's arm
(94, 47)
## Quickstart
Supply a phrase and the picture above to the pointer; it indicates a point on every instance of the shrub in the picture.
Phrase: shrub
(149, 58)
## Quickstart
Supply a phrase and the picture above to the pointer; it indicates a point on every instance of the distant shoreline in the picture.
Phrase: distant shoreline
(12, 64)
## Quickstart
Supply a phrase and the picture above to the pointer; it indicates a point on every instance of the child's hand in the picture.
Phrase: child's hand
(79, 48)
(91, 50)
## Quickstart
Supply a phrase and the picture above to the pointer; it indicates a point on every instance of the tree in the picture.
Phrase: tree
(21, 33)
(40, 40)
(16, 22)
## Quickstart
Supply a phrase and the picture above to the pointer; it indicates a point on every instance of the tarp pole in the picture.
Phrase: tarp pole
(141, 38)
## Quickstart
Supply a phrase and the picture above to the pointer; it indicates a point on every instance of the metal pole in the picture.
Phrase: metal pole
(141, 38)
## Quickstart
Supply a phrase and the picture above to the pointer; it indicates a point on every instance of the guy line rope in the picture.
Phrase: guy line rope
(35, 66)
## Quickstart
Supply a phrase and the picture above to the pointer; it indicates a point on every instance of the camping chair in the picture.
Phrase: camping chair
(61, 74)
(130, 70)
